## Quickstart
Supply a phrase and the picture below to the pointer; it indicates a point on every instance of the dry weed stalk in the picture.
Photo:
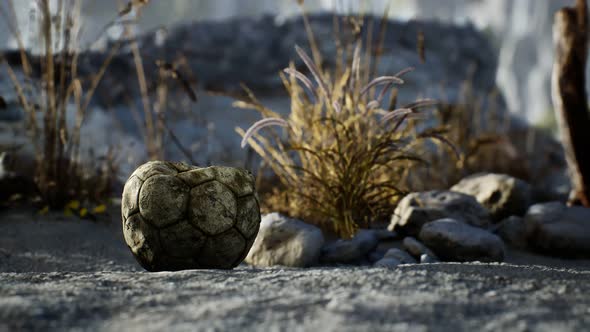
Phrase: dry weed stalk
(154, 125)
(60, 173)
(479, 131)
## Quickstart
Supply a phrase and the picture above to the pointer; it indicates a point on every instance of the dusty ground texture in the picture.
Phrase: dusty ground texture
(68, 274)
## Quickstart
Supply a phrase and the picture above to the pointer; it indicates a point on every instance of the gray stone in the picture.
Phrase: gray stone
(417, 209)
(401, 255)
(452, 240)
(285, 241)
(350, 251)
(555, 186)
(385, 235)
(376, 255)
(387, 262)
(427, 259)
(554, 228)
(417, 248)
(512, 230)
(502, 195)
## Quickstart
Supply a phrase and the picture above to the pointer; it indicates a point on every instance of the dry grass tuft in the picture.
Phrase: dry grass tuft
(344, 150)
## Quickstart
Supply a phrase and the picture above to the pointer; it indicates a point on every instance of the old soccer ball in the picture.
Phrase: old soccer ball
(177, 216)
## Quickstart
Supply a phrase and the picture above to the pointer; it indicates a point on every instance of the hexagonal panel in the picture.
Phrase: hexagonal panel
(248, 217)
(240, 181)
(212, 207)
(223, 250)
(163, 200)
(181, 240)
(182, 167)
(142, 239)
(196, 177)
(249, 243)
(152, 168)
(129, 202)
(169, 263)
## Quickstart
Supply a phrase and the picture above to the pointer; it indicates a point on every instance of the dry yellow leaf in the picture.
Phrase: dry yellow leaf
(99, 209)
(74, 205)
(44, 210)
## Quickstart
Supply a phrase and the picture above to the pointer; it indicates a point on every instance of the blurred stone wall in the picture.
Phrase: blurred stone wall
(520, 29)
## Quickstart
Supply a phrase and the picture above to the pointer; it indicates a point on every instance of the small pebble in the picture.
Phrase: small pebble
(400, 255)
(427, 259)
(389, 263)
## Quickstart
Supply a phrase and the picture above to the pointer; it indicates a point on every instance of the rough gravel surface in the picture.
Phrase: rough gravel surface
(78, 276)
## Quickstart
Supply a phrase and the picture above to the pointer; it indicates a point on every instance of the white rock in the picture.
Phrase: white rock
(452, 240)
(427, 259)
(502, 195)
(285, 241)
(384, 234)
(512, 230)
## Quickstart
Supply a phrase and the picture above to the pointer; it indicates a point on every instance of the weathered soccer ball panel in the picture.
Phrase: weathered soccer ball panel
(129, 203)
(197, 177)
(212, 208)
(169, 263)
(222, 251)
(249, 244)
(177, 216)
(239, 181)
(248, 218)
(143, 241)
(163, 200)
(182, 167)
(152, 168)
(182, 240)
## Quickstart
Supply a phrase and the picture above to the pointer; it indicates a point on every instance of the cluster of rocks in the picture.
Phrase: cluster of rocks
(476, 220)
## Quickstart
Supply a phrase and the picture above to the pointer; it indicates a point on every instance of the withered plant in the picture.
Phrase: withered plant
(343, 150)
(480, 132)
(47, 93)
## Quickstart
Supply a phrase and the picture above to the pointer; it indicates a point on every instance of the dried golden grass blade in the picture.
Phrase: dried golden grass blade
(380, 81)
(302, 78)
(259, 125)
(315, 71)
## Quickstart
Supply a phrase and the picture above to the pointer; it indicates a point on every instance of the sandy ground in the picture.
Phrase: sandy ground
(68, 274)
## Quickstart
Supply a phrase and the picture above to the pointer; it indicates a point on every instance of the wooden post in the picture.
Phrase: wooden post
(570, 35)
